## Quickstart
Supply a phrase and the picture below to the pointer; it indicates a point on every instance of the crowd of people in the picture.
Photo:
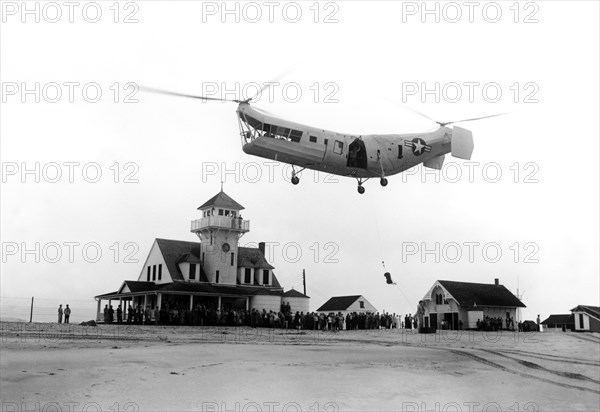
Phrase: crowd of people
(174, 313)
(495, 323)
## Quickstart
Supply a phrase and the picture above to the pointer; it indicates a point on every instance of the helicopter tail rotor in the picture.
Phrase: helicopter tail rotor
(462, 143)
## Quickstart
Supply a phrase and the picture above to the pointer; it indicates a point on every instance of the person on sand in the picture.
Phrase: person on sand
(60, 313)
(67, 314)
(105, 314)
(119, 315)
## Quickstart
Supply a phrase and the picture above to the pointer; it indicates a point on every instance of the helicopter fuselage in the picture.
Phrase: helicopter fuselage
(360, 156)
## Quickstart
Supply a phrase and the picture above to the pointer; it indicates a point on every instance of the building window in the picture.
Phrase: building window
(581, 325)
(220, 212)
(217, 277)
(227, 213)
(192, 271)
(362, 304)
(154, 273)
(247, 275)
(232, 258)
(160, 271)
(265, 276)
(148, 276)
(313, 139)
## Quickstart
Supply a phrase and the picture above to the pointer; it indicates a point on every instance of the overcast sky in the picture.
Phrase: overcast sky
(529, 193)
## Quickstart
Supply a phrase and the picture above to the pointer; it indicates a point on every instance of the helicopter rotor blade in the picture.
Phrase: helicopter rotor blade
(190, 96)
(270, 84)
(470, 120)
(410, 109)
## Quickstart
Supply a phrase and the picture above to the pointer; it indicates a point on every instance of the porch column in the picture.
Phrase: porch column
(145, 301)
(191, 302)
(98, 318)
(219, 303)
(159, 300)
(247, 302)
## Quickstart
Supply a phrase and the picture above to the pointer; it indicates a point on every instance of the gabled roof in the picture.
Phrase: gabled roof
(560, 319)
(189, 258)
(481, 294)
(338, 303)
(173, 250)
(250, 257)
(221, 199)
(590, 310)
(137, 286)
(292, 293)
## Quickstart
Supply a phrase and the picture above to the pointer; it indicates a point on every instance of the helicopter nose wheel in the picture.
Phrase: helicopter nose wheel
(295, 178)
(361, 189)
(383, 181)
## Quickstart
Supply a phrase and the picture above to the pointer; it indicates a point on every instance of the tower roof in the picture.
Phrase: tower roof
(221, 199)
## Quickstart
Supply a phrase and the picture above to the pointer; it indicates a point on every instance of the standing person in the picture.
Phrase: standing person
(60, 313)
(119, 315)
(67, 314)
(111, 314)
(129, 314)
(105, 314)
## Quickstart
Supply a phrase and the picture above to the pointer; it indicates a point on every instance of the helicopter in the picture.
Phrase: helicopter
(357, 156)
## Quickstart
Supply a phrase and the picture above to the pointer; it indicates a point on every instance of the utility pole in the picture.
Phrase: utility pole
(31, 311)
(304, 280)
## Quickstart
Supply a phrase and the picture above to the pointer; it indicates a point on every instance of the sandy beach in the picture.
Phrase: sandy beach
(52, 367)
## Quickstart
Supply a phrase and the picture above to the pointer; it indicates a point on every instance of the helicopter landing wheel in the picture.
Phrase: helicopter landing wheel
(361, 189)
(383, 181)
(295, 180)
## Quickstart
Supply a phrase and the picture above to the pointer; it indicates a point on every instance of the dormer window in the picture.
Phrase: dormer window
(192, 271)
(265, 276)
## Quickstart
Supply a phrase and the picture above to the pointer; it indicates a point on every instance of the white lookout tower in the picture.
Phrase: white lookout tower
(219, 230)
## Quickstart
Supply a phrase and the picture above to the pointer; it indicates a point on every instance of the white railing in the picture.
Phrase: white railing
(225, 222)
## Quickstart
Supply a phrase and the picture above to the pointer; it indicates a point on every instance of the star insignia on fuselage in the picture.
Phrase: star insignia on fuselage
(418, 146)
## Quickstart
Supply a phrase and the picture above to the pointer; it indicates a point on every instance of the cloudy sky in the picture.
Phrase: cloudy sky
(93, 171)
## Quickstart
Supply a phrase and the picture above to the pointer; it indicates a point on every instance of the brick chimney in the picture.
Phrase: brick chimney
(497, 282)
(261, 246)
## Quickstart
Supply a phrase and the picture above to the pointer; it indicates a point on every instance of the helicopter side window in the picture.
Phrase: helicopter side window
(313, 139)
(338, 147)
(296, 135)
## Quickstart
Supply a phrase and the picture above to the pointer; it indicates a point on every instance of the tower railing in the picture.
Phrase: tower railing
(221, 222)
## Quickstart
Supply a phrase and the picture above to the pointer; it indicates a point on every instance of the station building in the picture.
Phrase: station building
(464, 303)
(347, 304)
(214, 272)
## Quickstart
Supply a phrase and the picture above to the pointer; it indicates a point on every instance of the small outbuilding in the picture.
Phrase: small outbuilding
(298, 301)
(587, 318)
(347, 304)
(564, 322)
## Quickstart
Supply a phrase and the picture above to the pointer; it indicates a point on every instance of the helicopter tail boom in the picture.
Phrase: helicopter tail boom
(462, 143)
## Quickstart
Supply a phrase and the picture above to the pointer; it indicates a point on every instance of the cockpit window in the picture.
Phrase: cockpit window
(338, 147)
(259, 129)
